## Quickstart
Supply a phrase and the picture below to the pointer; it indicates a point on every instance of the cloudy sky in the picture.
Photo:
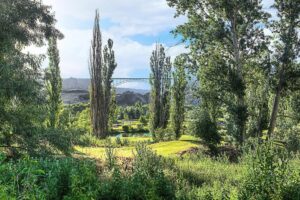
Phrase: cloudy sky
(134, 25)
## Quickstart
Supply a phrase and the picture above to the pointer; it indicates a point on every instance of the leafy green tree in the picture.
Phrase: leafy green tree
(143, 120)
(287, 47)
(232, 31)
(102, 66)
(204, 127)
(53, 83)
(178, 95)
(160, 89)
(22, 104)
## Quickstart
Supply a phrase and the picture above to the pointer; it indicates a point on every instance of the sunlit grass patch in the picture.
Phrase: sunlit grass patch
(169, 148)
(189, 138)
(99, 152)
(172, 147)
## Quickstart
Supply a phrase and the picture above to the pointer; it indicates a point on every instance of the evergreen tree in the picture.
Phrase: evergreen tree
(160, 81)
(287, 47)
(102, 66)
(53, 83)
(178, 95)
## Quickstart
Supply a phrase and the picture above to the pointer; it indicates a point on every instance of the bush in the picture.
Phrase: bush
(143, 120)
(126, 128)
(118, 141)
(89, 140)
(293, 139)
(203, 127)
(147, 180)
(161, 134)
(126, 142)
(110, 155)
(50, 178)
(268, 175)
(140, 128)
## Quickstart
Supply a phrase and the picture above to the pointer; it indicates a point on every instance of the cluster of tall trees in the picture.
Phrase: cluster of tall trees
(160, 81)
(242, 70)
(32, 114)
(164, 95)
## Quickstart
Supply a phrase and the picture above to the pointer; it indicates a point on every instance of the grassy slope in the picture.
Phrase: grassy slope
(162, 148)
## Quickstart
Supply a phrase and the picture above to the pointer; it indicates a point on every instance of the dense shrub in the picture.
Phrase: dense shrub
(292, 139)
(126, 128)
(126, 142)
(50, 178)
(88, 140)
(269, 175)
(68, 178)
(110, 155)
(147, 180)
(143, 120)
(203, 127)
(166, 134)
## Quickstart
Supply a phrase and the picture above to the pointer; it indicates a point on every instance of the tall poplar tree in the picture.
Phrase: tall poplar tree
(178, 96)
(160, 80)
(102, 66)
(53, 83)
(287, 47)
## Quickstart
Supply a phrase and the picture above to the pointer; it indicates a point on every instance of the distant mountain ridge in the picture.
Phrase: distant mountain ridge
(75, 90)
(82, 84)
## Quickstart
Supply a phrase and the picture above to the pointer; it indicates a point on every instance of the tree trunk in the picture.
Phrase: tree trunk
(276, 104)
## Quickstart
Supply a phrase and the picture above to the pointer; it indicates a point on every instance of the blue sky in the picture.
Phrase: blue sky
(134, 25)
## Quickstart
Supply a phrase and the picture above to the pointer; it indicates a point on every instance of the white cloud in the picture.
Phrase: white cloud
(131, 56)
(129, 18)
(132, 16)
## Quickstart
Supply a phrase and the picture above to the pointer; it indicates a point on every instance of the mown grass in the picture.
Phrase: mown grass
(167, 149)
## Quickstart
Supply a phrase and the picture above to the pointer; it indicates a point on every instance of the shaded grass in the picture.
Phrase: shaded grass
(205, 170)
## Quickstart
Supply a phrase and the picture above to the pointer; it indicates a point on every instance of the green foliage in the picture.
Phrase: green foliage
(83, 121)
(102, 65)
(292, 139)
(84, 139)
(220, 36)
(110, 154)
(166, 134)
(143, 120)
(178, 96)
(113, 111)
(268, 174)
(126, 128)
(203, 127)
(286, 54)
(22, 101)
(126, 142)
(202, 177)
(48, 179)
(53, 84)
(136, 111)
(160, 89)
